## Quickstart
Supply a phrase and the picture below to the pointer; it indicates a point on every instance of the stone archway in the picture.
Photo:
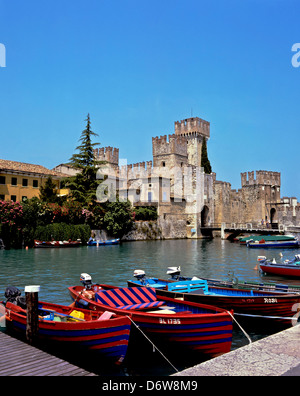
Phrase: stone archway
(204, 216)
(273, 216)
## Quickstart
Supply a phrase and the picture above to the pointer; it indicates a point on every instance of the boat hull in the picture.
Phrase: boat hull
(198, 327)
(274, 245)
(56, 244)
(266, 238)
(109, 338)
(104, 243)
(282, 270)
(249, 303)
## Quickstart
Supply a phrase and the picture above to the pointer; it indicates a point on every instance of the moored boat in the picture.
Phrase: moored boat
(93, 242)
(262, 244)
(267, 238)
(259, 304)
(289, 268)
(191, 326)
(100, 332)
(56, 244)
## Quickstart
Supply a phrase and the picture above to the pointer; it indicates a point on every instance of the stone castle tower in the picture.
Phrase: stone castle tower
(194, 130)
(184, 147)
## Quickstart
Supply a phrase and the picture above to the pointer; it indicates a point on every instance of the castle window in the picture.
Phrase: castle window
(24, 182)
(35, 183)
(2, 179)
(14, 181)
(2, 197)
(13, 198)
(163, 163)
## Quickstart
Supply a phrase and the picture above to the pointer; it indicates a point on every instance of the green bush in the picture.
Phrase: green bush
(117, 220)
(145, 213)
(63, 232)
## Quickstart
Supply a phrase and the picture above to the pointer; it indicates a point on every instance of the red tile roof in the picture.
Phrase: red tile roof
(22, 167)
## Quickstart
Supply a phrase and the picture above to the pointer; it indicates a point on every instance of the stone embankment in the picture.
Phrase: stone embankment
(276, 355)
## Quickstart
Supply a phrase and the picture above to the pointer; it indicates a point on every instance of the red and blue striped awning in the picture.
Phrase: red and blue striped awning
(129, 298)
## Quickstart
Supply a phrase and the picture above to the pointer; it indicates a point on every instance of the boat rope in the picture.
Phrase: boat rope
(268, 317)
(154, 346)
(249, 339)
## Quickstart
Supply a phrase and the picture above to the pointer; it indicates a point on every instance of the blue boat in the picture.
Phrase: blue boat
(93, 242)
(262, 244)
(247, 302)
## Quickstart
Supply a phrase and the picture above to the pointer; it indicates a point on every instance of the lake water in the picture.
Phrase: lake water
(56, 269)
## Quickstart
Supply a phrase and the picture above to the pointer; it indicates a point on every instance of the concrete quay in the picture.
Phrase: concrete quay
(276, 355)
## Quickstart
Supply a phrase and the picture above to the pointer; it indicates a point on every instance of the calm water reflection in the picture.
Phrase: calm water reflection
(56, 269)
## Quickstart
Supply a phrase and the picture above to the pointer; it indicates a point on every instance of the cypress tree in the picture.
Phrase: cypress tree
(48, 191)
(84, 184)
(205, 164)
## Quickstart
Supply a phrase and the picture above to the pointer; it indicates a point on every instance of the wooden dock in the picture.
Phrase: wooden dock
(22, 359)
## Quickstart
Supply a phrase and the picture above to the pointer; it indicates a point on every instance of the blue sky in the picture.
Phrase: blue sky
(139, 65)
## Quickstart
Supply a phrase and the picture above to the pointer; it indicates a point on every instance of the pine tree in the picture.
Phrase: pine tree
(84, 184)
(205, 164)
(48, 191)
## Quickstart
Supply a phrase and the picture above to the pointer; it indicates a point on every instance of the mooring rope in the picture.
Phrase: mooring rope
(268, 317)
(154, 346)
(249, 339)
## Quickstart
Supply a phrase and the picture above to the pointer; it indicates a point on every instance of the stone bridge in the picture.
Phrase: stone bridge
(237, 228)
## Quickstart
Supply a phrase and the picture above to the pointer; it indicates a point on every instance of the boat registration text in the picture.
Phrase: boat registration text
(169, 321)
(270, 300)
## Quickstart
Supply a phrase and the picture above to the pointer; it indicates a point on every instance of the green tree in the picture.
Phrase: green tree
(118, 218)
(205, 164)
(48, 191)
(84, 184)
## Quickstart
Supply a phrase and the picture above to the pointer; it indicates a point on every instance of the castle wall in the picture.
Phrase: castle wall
(169, 151)
(185, 197)
(110, 155)
(193, 125)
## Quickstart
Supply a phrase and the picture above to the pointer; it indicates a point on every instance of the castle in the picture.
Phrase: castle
(187, 199)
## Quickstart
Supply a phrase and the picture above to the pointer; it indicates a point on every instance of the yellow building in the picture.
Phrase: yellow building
(20, 181)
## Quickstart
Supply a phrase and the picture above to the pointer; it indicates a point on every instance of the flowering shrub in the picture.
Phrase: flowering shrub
(11, 219)
(71, 212)
(19, 222)
(11, 213)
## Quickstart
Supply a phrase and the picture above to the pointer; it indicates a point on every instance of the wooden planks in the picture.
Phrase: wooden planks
(21, 359)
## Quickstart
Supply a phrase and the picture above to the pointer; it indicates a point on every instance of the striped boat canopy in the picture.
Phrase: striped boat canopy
(129, 298)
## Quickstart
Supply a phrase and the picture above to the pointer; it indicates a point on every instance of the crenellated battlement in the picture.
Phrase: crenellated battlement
(175, 145)
(266, 178)
(138, 170)
(192, 126)
(108, 154)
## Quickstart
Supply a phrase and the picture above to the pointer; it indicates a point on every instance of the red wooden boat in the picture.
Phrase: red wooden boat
(290, 268)
(248, 303)
(101, 332)
(193, 326)
(56, 244)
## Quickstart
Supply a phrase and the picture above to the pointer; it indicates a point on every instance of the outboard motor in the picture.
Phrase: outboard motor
(139, 274)
(86, 280)
(174, 272)
(13, 295)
